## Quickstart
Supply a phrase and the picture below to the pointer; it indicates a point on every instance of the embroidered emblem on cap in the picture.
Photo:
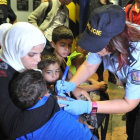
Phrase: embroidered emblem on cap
(94, 31)
(135, 77)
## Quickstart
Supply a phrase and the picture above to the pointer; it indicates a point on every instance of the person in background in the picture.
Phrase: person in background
(28, 91)
(48, 16)
(6, 12)
(118, 47)
(133, 12)
(21, 49)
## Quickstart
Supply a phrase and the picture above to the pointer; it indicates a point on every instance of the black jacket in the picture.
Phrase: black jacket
(6, 12)
(13, 121)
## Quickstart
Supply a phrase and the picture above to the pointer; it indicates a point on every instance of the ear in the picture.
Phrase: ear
(53, 44)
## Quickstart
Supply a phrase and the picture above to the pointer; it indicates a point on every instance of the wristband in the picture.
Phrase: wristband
(94, 108)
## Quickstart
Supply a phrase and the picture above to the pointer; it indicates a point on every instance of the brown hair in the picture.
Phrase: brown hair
(47, 59)
(120, 43)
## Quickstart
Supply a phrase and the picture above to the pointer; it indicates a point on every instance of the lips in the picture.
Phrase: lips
(66, 54)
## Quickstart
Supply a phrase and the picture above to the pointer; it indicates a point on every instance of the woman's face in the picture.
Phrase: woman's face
(31, 59)
(103, 52)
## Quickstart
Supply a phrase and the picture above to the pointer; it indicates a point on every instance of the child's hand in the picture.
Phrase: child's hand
(92, 81)
(103, 85)
(79, 91)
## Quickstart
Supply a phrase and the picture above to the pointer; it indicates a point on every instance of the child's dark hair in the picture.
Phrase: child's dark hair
(47, 59)
(27, 88)
(61, 32)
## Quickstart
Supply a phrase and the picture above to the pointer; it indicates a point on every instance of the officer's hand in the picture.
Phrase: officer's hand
(65, 88)
(76, 107)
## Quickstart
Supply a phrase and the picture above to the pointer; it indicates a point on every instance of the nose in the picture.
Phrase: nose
(67, 48)
(54, 75)
(38, 59)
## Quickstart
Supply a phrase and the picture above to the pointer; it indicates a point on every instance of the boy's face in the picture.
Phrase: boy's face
(62, 47)
(51, 73)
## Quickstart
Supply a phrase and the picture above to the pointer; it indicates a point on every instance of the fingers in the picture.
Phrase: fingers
(86, 95)
(63, 102)
(60, 93)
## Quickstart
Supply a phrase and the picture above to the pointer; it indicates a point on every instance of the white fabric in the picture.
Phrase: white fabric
(3, 28)
(18, 41)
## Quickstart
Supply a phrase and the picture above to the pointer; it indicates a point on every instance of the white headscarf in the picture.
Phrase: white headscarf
(3, 28)
(18, 41)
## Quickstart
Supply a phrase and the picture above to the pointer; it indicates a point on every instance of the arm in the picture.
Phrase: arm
(98, 86)
(117, 106)
(78, 91)
(84, 72)
(108, 107)
(78, 61)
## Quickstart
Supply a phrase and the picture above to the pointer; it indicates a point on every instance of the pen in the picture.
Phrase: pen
(63, 78)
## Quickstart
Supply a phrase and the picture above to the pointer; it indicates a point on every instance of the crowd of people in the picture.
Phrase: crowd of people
(36, 103)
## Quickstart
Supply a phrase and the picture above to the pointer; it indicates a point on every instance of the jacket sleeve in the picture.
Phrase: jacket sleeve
(38, 13)
(15, 122)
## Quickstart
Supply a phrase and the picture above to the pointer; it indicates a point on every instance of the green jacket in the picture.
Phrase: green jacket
(40, 10)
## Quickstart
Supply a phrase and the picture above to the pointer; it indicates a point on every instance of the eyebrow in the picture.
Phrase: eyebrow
(33, 53)
(51, 70)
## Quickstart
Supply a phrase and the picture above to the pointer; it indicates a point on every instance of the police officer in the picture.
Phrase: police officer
(6, 12)
(109, 39)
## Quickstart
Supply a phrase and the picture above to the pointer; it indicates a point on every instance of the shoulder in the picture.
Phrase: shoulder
(44, 5)
(127, 7)
(136, 54)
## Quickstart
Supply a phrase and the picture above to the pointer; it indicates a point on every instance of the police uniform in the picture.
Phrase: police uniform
(128, 74)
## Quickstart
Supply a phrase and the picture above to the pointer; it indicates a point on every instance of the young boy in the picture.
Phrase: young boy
(28, 91)
(62, 39)
(50, 67)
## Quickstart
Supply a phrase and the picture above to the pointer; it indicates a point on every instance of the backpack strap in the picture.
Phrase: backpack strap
(48, 9)
(130, 9)
(45, 13)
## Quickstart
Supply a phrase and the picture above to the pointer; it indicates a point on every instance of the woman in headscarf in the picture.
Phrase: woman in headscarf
(21, 49)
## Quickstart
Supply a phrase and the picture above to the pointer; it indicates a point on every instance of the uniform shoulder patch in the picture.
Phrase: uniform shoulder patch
(135, 77)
